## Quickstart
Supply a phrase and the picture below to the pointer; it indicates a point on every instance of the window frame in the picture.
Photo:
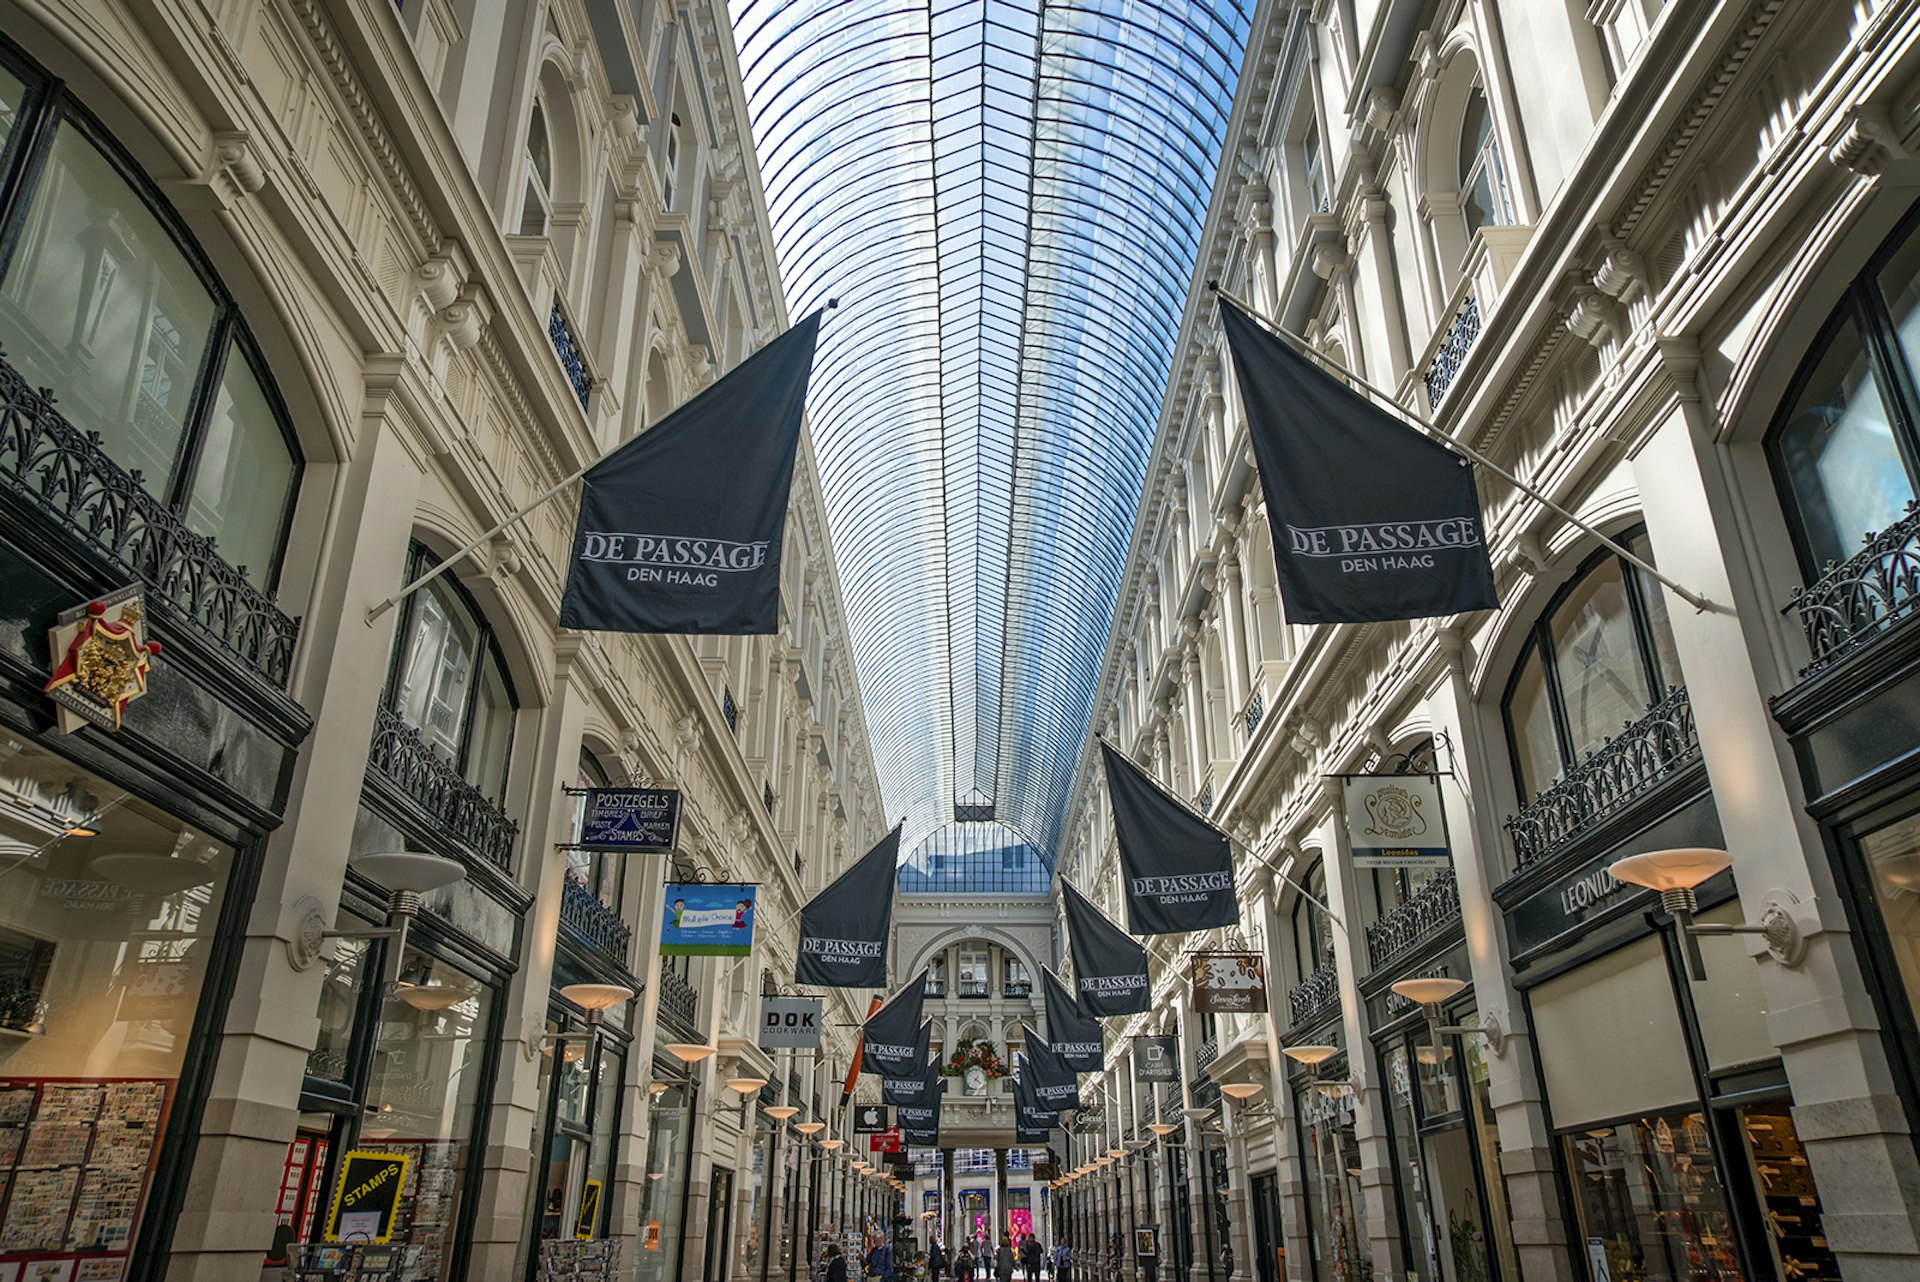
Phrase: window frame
(47, 106)
(1539, 641)
(1863, 303)
(1488, 159)
(420, 558)
(530, 178)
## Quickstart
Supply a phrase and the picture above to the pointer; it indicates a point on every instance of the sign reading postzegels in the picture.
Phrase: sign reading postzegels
(365, 1203)
(630, 820)
(1395, 821)
(1229, 983)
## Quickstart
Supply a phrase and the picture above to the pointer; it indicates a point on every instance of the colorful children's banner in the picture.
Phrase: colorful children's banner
(707, 920)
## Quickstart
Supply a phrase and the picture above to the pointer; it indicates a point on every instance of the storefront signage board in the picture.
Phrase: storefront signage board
(589, 1217)
(630, 821)
(101, 660)
(1230, 983)
(870, 1119)
(1395, 821)
(1156, 1059)
(789, 1023)
(368, 1196)
(707, 920)
(887, 1141)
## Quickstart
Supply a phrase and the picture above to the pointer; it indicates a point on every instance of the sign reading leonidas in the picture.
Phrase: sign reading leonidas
(1395, 821)
(1229, 983)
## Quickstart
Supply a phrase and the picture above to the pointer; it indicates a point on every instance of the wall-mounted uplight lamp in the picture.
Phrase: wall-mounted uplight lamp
(595, 999)
(1676, 874)
(407, 875)
(1312, 1056)
(1247, 1104)
(1431, 993)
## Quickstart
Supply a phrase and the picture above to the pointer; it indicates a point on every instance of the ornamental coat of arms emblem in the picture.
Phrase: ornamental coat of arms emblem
(101, 656)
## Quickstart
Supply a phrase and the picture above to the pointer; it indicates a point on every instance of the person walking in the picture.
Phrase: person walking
(1062, 1263)
(963, 1263)
(1003, 1260)
(937, 1261)
(836, 1265)
(1031, 1257)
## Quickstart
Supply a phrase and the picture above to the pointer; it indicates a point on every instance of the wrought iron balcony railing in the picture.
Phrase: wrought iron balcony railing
(67, 474)
(1204, 802)
(1314, 993)
(679, 1005)
(567, 348)
(593, 923)
(730, 711)
(1256, 710)
(469, 816)
(1461, 334)
(1643, 755)
(1863, 596)
(1424, 914)
(1209, 1051)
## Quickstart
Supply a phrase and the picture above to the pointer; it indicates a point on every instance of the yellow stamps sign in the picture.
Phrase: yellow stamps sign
(368, 1198)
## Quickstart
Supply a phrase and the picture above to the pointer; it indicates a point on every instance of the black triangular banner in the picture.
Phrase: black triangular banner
(1109, 965)
(1177, 869)
(843, 929)
(1073, 1034)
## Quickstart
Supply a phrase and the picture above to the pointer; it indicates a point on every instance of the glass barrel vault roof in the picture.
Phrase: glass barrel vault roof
(1006, 196)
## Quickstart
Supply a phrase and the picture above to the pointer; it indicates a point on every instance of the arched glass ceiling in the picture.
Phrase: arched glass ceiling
(1006, 196)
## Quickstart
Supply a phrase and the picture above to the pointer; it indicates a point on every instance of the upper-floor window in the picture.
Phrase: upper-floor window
(1844, 449)
(973, 974)
(536, 199)
(1312, 931)
(448, 682)
(937, 977)
(601, 873)
(1015, 981)
(670, 171)
(1599, 657)
(105, 300)
(1483, 192)
(1313, 170)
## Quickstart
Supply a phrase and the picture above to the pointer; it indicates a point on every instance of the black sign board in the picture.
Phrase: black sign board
(871, 1119)
(368, 1196)
(630, 820)
(1156, 1059)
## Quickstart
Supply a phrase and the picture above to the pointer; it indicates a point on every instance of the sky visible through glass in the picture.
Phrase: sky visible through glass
(1006, 197)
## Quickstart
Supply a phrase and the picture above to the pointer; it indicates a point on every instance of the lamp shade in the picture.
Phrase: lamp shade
(691, 1052)
(1310, 1055)
(153, 874)
(809, 1128)
(745, 1085)
(781, 1112)
(597, 996)
(831, 1145)
(1680, 869)
(430, 997)
(1241, 1090)
(1430, 990)
(408, 870)
(1162, 1128)
(1198, 1114)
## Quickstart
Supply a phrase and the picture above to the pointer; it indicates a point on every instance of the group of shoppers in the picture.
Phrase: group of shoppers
(979, 1264)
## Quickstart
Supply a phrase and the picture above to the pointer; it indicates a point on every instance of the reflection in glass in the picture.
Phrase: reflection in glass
(244, 472)
(1650, 1200)
(1601, 681)
(1893, 861)
(658, 1254)
(1536, 745)
(1336, 1204)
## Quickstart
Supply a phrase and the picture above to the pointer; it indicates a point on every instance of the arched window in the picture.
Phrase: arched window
(536, 201)
(1599, 657)
(599, 872)
(448, 682)
(1312, 932)
(670, 168)
(105, 300)
(1483, 193)
(1845, 450)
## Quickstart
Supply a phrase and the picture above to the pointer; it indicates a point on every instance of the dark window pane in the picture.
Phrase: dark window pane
(1536, 749)
(1602, 680)
(437, 671)
(1838, 451)
(245, 473)
(492, 732)
(1653, 604)
(100, 305)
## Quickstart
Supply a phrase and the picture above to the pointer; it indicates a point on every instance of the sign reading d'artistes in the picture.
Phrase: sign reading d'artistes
(702, 919)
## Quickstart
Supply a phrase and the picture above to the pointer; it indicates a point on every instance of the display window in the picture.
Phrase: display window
(108, 908)
(1330, 1161)
(663, 1200)
(1649, 1201)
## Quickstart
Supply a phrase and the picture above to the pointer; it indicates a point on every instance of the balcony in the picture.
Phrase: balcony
(679, 1006)
(1870, 593)
(401, 757)
(567, 348)
(592, 923)
(1314, 993)
(1461, 335)
(1430, 910)
(1209, 1051)
(1256, 711)
(1644, 755)
(66, 476)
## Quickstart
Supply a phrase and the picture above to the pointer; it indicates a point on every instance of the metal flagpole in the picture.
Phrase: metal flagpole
(515, 518)
(1694, 599)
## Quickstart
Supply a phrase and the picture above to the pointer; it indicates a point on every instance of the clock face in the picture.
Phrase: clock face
(976, 1077)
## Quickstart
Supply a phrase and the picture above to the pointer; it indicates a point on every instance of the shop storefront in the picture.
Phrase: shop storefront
(1323, 1110)
(1269, 1240)
(663, 1201)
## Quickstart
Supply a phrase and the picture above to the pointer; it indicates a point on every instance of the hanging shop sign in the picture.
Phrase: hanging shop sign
(790, 1023)
(1156, 1059)
(368, 1196)
(1395, 821)
(589, 1217)
(1229, 983)
(870, 1119)
(101, 658)
(887, 1141)
(707, 920)
(630, 821)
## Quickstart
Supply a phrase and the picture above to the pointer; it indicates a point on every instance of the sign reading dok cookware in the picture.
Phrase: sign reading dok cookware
(1395, 821)
(630, 820)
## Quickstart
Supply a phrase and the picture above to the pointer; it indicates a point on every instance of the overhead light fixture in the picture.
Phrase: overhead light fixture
(691, 1052)
(1162, 1128)
(1311, 1055)
(831, 1144)
(1431, 993)
(745, 1085)
(809, 1128)
(152, 874)
(596, 1000)
(781, 1112)
(406, 874)
(1196, 1113)
(1677, 873)
(1241, 1090)
(431, 997)
(657, 1089)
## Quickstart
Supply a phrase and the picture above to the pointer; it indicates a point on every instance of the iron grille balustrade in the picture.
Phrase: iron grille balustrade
(729, 711)
(592, 922)
(1256, 709)
(1453, 350)
(1205, 800)
(793, 1088)
(1862, 596)
(1643, 755)
(568, 350)
(1209, 1051)
(403, 758)
(68, 475)
(1430, 909)
(679, 1004)
(1315, 992)
(766, 796)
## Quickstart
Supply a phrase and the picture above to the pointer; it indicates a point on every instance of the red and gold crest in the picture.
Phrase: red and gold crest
(103, 657)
